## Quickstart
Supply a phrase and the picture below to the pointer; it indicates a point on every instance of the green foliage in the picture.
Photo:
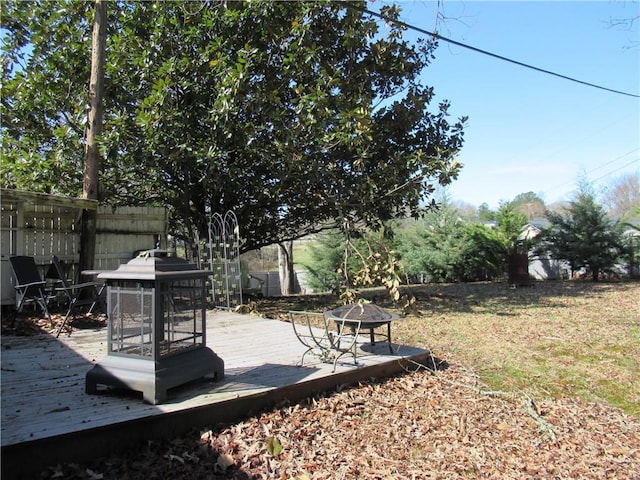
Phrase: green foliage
(483, 254)
(529, 204)
(444, 248)
(510, 223)
(293, 114)
(369, 261)
(44, 76)
(274, 447)
(433, 245)
(485, 214)
(584, 237)
(630, 249)
(345, 261)
(326, 255)
(339, 261)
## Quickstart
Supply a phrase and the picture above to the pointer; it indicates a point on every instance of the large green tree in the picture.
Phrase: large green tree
(46, 61)
(296, 115)
(583, 236)
(444, 247)
(511, 222)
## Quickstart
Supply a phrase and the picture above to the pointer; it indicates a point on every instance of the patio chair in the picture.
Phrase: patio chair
(30, 287)
(314, 331)
(252, 287)
(53, 278)
(78, 294)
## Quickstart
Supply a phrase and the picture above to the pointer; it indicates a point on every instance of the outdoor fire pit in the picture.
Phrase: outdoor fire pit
(156, 334)
(370, 317)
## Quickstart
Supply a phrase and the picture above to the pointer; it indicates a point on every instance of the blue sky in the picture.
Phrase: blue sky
(528, 131)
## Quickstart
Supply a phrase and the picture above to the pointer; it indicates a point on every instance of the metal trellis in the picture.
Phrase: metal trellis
(224, 258)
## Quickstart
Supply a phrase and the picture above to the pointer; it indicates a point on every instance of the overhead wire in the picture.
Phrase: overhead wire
(615, 160)
(635, 160)
(562, 185)
(484, 52)
(509, 60)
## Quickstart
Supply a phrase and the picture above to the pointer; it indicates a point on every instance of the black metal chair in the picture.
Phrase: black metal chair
(313, 330)
(54, 281)
(78, 294)
(30, 288)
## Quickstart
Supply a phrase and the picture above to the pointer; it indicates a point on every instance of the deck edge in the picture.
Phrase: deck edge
(24, 459)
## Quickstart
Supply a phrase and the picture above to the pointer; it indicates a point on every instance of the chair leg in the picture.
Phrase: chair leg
(303, 355)
(41, 301)
(45, 309)
(97, 297)
(64, 322)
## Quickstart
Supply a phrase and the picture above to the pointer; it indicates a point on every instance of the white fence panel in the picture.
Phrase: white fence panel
(124, 231)
(40, 226)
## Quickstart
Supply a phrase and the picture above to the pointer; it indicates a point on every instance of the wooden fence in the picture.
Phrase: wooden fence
(41, 225)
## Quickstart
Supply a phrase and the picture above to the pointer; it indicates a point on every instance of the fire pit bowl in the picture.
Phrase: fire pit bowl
(370, 317)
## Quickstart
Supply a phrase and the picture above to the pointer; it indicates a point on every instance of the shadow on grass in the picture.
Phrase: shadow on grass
(501, 299)
(453, 297)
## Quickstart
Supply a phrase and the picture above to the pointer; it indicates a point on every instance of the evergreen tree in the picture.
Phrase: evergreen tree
(445, 248)
(510, 223)
(483, 254)
(485, 214)
(326, 256)
(584, 237)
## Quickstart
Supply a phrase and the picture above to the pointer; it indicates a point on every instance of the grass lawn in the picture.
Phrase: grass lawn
(551, 340)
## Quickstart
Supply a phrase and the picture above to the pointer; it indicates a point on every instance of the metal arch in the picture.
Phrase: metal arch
(224, 258)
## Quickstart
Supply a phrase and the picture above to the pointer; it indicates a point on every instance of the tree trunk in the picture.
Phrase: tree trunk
(518, 269)
(285, 267)
(94, 130)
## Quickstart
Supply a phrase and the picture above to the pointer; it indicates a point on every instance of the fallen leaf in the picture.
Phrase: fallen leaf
(274, 447)
(94, 475)
(225, 461)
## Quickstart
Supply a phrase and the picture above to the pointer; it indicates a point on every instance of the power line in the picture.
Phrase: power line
(593, 181)
(617, 169)
(559, 186)
(614, 160)
(484, 52)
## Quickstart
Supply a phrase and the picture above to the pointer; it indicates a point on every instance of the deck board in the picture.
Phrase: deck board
(43, 381)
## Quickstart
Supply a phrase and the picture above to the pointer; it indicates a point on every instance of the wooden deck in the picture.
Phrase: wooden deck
(47, 417)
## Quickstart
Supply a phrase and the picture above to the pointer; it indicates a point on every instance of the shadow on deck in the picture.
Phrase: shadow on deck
(47, 418)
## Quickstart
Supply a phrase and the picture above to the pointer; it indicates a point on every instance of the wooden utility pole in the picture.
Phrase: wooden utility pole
(92, 162)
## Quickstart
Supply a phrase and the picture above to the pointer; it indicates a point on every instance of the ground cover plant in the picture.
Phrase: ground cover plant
(537, 382)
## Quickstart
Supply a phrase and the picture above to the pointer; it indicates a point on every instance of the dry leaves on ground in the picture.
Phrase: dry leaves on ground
(418, 425)
(23, 325)
(440, 425)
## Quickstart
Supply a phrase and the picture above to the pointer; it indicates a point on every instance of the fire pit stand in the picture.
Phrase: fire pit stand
(156, 334)
(369, 316)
